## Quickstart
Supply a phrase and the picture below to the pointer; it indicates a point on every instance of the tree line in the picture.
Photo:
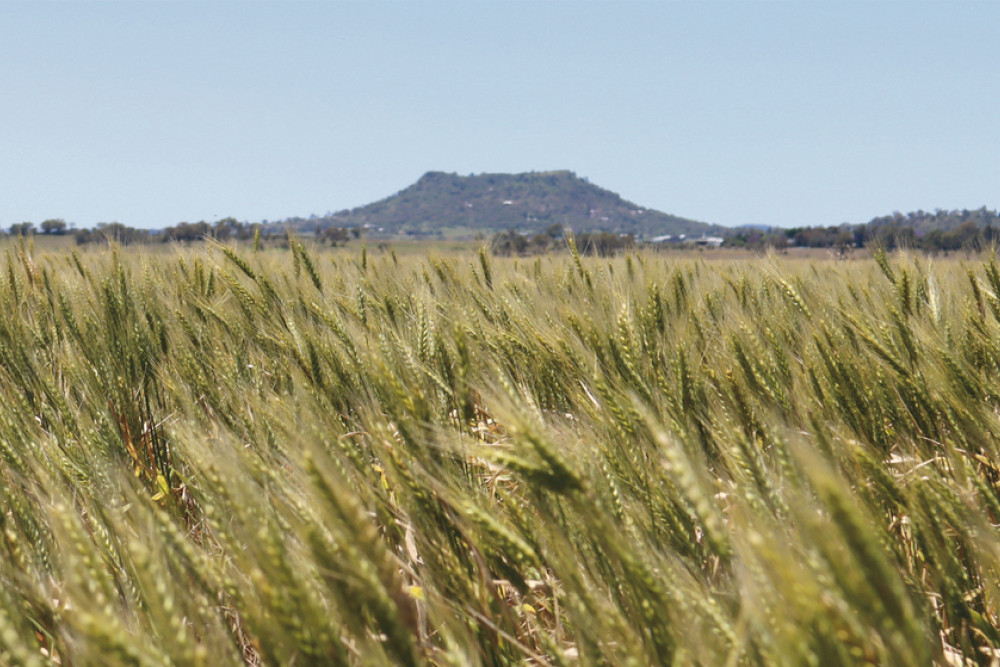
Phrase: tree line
(225, 229)
(966, 236)
(603, 244)
(940, 231)
(936, 231)
(54, 226)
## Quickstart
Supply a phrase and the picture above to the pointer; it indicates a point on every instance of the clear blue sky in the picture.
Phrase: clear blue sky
(785, 113)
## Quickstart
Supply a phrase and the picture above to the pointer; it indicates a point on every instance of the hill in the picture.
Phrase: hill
(441, 204)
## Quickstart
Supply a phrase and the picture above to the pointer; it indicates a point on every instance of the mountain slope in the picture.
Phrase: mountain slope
(453, 205)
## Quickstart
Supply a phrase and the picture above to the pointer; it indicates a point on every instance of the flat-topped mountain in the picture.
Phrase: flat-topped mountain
(452, 205)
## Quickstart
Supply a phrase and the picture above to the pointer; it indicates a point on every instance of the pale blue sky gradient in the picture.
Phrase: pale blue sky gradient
(784, 113)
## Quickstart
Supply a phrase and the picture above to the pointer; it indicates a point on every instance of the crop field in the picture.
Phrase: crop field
(216, 456)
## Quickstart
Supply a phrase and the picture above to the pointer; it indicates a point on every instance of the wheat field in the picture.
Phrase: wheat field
(218, 456)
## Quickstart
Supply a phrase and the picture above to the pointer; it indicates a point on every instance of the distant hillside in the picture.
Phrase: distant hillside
(453, 205)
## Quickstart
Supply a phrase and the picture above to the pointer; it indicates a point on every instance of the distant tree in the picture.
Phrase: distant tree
(83, 236)
(54, 226)
(120, 233)
(964, 236)
(843, 242)
(108, 232)
(226, 228)
(541, 242)
(247, 231)
(186, 232)
(604, 244)
(991, 235)
(22, 228)
(508, 243)
(335, 236)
